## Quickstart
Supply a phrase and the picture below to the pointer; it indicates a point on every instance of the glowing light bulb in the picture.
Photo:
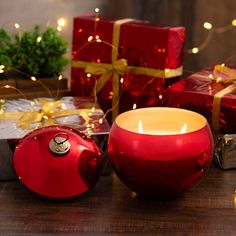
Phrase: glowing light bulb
(61, 22)
(7, 86)
(60, 77)
(218, 79)
(93, 109)
(210, 76)
(167, 70)
(90, 38)
(207, 25)
(134, 106)
(2, 67)
(17, 26)
(195, 50)
(33, 78)
(160, 96)
(59, 28)
(222, 65)
(45, 117)
(97, 10)
(122, 80)
(234, 22)
(89, 75)
(100, 121)
(39, 38)
(97, 37)
(1, 71)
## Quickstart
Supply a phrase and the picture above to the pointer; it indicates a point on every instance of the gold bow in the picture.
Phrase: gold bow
(222, 73)
(50, 110)
(119, 67)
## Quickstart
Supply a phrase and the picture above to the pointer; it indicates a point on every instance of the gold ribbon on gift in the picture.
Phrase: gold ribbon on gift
(231, 77)
(216, 105)
(120, 67)
(50, 110)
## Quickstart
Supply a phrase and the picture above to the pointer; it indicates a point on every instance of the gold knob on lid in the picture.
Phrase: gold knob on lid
(60, 144)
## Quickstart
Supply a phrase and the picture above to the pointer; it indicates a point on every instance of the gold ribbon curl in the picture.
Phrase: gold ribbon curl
(50, 110)
(120, 67)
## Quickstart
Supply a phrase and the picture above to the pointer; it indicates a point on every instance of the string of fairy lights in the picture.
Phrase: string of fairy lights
(211, 31)
(61, 23)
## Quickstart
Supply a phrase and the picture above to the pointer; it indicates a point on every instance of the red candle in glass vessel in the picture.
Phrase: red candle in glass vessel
(161, 151)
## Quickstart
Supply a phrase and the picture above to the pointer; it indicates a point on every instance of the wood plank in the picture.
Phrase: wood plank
(206, 209)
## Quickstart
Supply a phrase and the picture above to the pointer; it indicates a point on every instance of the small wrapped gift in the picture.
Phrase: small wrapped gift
(19, 117)
(211, 92)
(127, 62)
(225, 151)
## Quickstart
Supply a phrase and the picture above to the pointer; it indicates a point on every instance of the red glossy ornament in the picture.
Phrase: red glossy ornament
(160, 151)
(58, 162)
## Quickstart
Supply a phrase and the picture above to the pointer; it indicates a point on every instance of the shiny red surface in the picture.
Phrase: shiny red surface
(163, 165)
(53, 175)
(196, 93)
(142, 43)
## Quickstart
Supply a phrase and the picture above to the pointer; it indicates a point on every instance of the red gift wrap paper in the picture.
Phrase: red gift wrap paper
(142, 44)
(197, 92)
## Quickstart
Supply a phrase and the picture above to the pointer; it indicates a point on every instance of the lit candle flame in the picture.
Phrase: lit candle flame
(140, 127)
(184, 129)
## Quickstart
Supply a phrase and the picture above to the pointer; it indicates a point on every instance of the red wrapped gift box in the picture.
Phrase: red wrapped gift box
(141, 53)
(212, 96)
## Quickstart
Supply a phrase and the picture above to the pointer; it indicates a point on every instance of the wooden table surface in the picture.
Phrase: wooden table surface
(207, 209)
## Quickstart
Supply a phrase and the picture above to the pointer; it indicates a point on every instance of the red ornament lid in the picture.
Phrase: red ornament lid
(57, 161)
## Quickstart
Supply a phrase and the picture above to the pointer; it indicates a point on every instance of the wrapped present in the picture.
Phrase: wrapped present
(19, 117)
(225, 151)
(124, 62)
(211, 92)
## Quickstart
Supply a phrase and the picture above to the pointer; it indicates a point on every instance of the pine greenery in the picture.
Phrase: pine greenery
(26, 53)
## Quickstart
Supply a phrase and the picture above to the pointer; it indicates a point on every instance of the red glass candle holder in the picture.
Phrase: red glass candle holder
(161, 151)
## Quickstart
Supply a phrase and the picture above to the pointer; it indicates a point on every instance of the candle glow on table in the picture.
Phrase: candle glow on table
(161, 151)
